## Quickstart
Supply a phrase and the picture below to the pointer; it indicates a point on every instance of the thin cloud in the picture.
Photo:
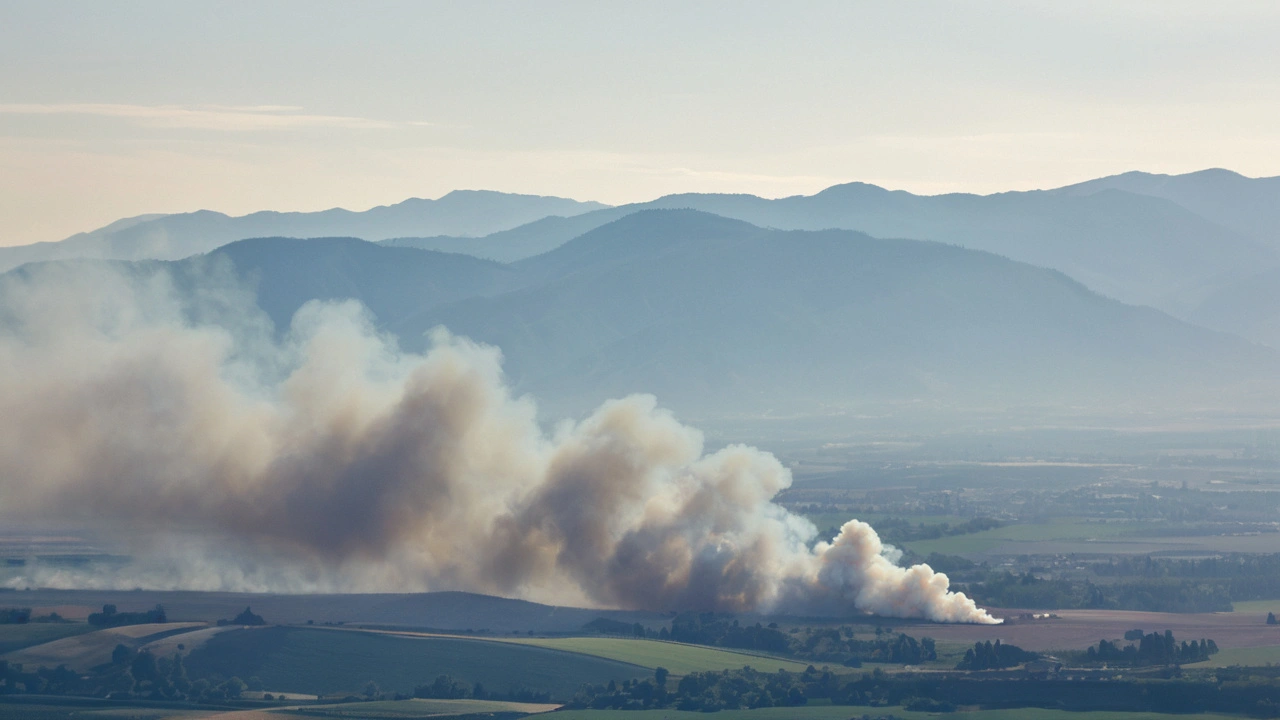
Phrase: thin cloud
(227, 118)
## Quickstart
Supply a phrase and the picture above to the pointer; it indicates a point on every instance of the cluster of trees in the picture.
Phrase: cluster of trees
(1226, 690)
(839, 645)
(824, 645)
(110, 617)
(710, 629)
(989, 656)
(15, 616)
(245, 618)
(709, 691)
(446, 687)
(1240, 576)
(129, 675)
(1152, 649)
(1025, 590)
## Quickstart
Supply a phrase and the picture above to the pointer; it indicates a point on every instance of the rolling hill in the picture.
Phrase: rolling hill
(337, 661)
(394, 283)
(440, 611)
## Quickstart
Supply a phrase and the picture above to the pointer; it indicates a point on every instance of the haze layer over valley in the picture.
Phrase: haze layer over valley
(394, 409)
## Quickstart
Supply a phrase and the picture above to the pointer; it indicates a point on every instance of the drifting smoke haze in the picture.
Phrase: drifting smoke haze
(329, 461)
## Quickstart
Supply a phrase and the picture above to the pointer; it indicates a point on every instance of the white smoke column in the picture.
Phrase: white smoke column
(332, 461)
(853, 570)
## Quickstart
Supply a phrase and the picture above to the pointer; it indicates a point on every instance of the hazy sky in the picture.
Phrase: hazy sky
(116, 109)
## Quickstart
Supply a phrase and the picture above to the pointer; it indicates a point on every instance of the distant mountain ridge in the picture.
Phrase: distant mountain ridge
(1249, 206)
(708, 312)
(172, 237)
(1137, 247)
(1201, 246)
(720, 318)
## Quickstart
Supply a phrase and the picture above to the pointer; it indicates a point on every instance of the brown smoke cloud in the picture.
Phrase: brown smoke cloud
(331, 461)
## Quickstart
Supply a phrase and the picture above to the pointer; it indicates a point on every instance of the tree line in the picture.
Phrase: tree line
(824, 645)
(111, 617)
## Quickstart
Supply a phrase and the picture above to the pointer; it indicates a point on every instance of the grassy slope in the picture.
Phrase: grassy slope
(335, 662)
(678, 658)
(17, 637)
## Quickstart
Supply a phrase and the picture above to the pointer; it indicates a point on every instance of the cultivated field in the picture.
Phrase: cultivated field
(1077, 629)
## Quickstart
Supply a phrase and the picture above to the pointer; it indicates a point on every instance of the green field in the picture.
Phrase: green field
(1260, 607)
(837, 712)
(678, 658)
(1250, 656)
(329, 662)
(984, 541)
(17, 637)
(400, 709)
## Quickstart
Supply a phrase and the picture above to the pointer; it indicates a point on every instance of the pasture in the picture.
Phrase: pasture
(1243, 656)
(1256, 607)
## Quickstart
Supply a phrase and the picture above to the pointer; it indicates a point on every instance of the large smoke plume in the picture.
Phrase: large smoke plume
(329, 460)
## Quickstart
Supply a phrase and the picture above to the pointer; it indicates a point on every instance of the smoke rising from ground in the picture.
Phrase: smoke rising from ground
(329, 460)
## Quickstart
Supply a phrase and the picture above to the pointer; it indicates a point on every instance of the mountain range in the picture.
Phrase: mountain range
(1135, 247)
(721, 318)
(733, 305)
